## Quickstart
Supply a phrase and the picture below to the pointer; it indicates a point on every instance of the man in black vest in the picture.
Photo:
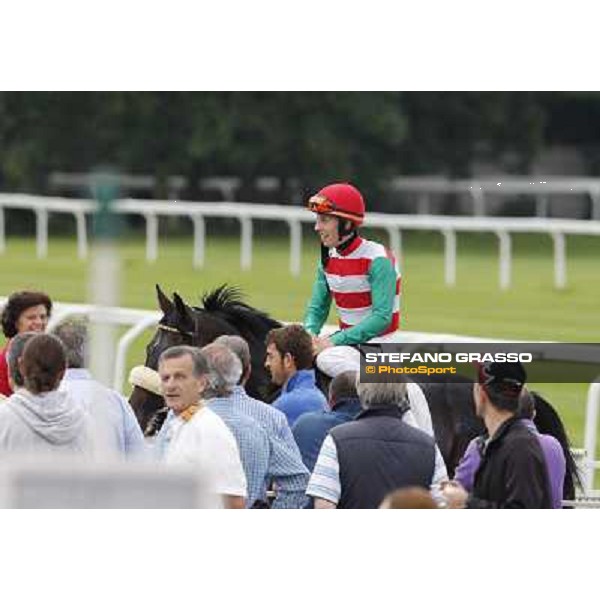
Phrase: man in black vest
(362, 461)
(513, 472)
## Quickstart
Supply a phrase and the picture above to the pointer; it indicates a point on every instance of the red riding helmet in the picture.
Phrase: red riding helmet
(341, 200)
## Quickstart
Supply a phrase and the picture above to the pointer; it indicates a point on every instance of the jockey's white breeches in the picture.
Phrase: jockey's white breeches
(336, 360)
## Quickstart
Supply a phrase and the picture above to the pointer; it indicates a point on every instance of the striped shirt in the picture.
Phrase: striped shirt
(347, 275)
(253, 445)
(286, 468)
(325, 479)
(364, 282)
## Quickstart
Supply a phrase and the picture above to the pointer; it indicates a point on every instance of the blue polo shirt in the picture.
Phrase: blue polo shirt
(300, 395)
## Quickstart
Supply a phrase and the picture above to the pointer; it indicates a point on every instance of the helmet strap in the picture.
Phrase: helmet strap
(353, 235)
(324, 255)
(345, 227)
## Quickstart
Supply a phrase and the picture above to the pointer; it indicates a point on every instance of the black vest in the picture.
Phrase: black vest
(378, 453)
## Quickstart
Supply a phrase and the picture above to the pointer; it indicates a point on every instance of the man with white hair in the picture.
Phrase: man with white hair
(286, 469)
(115, 428)
(362, 461)
(224, 371)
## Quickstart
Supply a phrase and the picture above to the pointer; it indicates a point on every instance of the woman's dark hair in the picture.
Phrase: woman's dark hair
(43, 363)
(16, 304)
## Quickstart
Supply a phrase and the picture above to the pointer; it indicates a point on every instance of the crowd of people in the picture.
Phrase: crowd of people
(362, 446)
(365, 445)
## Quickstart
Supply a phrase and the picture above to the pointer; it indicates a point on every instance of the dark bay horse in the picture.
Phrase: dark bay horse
(222, 311)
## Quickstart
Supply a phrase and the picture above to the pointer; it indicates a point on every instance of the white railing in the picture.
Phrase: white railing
(482, 190)
(140, 320)
(295, 216)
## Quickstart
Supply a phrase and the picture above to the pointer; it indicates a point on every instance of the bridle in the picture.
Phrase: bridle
(193, 335)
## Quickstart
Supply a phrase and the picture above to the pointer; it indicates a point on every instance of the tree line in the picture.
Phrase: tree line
(302, 138)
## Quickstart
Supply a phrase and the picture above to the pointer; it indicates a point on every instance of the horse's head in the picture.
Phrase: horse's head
(177, 326)
(180, 324)
(174, 328)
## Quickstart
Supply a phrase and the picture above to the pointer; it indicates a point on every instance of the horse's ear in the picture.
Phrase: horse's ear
(165, 304)
(182, 308)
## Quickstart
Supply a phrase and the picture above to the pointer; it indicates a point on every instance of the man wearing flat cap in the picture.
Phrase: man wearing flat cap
(513, 472)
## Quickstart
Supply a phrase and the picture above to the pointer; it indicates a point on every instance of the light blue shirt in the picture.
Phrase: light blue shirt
(286, 467)
(253, 445)
(114, 425)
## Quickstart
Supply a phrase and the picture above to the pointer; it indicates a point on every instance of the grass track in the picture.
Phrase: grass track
(531, 309)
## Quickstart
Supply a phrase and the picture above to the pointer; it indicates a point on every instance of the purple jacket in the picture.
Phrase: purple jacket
(553, 454)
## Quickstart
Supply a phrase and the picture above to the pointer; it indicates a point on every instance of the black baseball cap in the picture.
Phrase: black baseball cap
(505, 377)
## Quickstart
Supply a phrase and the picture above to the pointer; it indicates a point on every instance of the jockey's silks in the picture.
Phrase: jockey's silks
(365, 284)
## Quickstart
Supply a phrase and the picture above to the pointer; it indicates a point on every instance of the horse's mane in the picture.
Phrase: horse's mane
(227, 302)
(548, 421)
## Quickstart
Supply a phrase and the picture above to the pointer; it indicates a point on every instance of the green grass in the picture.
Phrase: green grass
(531, 309)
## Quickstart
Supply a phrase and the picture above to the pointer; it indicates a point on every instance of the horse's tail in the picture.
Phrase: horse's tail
(548, 421)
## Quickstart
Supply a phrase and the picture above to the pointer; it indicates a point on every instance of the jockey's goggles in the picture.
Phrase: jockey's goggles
(321, 205)
(324, 206)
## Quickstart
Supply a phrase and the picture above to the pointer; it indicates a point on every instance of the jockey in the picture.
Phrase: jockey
(361, 277)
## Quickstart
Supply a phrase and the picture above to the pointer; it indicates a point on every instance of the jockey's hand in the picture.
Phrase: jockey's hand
(321, 343)
(454, 494)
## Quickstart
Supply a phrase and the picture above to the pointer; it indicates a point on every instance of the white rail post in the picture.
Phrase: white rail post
(591, 427)
(449, 257)
(595, 199)
(541, 206)
(151, 237)
(476, 192)
(246, 246)
(504, 252)
(423, 206)
(395, 242)
(2, 232)
(560, 260)
(82, 248)
(123, 346)
(103, 276)
(41, 232)
(199, 240)
(295, 246)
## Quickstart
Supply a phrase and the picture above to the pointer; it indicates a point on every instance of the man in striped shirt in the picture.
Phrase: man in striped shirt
(286, 469)
(361, 277)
